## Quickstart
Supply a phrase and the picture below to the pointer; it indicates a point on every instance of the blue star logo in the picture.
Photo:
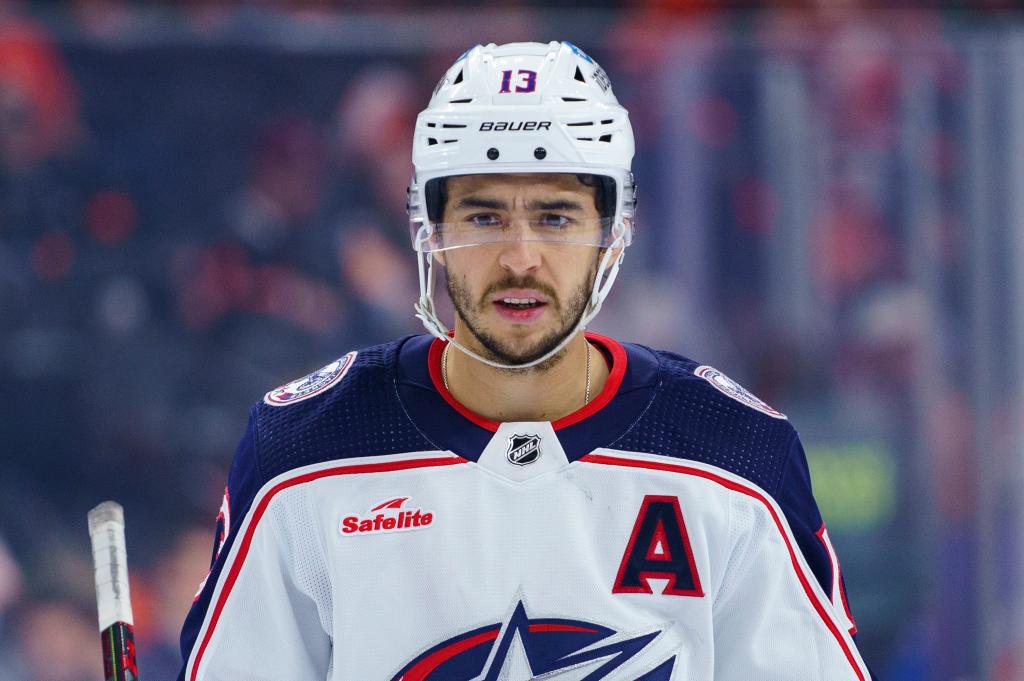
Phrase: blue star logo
(523, 648)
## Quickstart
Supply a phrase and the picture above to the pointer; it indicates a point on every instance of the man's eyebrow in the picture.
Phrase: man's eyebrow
(557, 204)
(498, 204)
(476, 202)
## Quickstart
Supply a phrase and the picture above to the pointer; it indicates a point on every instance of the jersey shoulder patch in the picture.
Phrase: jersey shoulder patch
(350, 408)
(316, 383)
(731, 388)
(698, 415)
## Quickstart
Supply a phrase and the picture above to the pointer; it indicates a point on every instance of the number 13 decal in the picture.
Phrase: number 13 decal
(526, 81)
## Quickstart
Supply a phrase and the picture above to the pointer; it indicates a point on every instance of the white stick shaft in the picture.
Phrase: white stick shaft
(106, 530)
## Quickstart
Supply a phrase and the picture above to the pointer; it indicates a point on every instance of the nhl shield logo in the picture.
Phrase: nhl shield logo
(523, 449)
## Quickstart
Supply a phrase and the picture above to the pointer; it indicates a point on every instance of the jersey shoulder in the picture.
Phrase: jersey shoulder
(700, 414)
(349, 408)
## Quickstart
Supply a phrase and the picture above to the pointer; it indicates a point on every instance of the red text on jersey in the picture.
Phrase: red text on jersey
(387, 516)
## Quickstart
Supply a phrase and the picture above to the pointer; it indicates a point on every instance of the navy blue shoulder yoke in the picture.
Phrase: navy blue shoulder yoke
(700, 414)
(359, 415)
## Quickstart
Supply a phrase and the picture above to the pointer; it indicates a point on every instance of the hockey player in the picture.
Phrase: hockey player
(518, 498)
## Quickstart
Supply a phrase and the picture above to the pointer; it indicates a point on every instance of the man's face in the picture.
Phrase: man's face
(489, 283)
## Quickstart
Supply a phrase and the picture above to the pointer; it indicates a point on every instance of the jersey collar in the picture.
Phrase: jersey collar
(607, 347)
(450, 425)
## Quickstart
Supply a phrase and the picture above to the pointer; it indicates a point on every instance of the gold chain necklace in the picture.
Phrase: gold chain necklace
(444, 371)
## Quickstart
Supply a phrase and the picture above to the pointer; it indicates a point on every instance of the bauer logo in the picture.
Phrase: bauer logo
(514, 126)
(316, 383)
(387, 516)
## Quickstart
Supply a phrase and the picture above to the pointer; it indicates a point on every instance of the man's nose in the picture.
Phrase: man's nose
(520, 253)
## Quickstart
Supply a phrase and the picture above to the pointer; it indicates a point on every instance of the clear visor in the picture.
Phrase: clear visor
(560, 208)
(551, 229)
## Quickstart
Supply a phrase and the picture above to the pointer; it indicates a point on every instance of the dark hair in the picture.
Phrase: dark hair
(436, 195)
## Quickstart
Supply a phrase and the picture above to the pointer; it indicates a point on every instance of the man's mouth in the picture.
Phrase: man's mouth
(520, 303)
(520, 306)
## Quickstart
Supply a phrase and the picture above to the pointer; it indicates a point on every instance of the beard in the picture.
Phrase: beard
(502, 350)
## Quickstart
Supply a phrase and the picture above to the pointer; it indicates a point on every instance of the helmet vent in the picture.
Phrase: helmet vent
(579, 75)
(462, 101)
(458, 78)
(608, 121)
(572, 99)
(450, 141)
(604, 138)
(431, 141)
(453, 125)
(573, 125)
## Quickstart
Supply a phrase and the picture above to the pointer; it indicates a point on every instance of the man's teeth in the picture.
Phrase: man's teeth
(521, 303)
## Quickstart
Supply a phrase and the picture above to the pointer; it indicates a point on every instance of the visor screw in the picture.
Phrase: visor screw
(539, 153)
(492, 153)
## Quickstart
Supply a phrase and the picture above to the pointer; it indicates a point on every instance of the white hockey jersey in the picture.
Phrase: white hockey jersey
(376, 530)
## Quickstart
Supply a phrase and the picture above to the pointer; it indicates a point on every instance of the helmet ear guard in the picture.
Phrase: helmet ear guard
(522, 108)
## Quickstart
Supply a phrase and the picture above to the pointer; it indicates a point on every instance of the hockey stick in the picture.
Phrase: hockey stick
(106, 531)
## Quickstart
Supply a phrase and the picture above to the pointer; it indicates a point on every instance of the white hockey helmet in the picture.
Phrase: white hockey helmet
(521, 108)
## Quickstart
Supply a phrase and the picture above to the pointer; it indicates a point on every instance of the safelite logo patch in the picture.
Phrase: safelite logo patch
(387, 516)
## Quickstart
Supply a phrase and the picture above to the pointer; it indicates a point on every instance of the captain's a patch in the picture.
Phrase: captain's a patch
(312, 385)
(729, 387)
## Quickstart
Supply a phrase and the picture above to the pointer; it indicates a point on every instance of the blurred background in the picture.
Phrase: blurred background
(199, 202)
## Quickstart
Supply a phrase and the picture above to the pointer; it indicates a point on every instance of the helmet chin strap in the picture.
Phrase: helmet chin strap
(425, 311)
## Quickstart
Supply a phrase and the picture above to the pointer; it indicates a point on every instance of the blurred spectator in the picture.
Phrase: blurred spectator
(10, 594)
(285, 188)
(261, 265)
(270, 273)
(38, 101)
(59, 642)
(373, 127)
(10, 581)
(176, 577)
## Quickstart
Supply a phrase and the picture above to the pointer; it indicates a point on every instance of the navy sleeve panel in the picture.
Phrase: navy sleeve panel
(690, 419)
(244, 481)
(361, 416)
(794, 496)
(796, 499)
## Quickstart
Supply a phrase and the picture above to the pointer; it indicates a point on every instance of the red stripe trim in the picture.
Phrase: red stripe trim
(600, 401)
(261, 507)
(611, 385)
(737, 487)
(837, 576)
(432, 662)
(560, 627)
(434, 364)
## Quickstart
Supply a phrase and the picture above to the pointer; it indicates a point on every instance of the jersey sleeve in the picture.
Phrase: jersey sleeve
(775, 617)
(254, 617)
(797, 502)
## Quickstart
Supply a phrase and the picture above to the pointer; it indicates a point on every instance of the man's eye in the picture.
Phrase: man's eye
(554, 220)
(485, 220)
